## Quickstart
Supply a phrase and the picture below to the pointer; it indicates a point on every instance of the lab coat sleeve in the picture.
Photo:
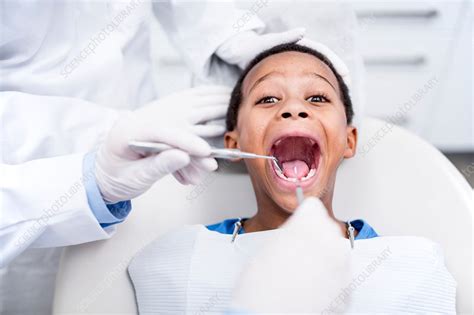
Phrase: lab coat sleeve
(198, 28)
(38, 126)
(44, 204)
(105, 214)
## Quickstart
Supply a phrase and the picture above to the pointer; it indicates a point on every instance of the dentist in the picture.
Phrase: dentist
(75, 86)
(54, 111)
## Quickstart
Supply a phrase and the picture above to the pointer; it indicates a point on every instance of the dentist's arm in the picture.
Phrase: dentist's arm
(44, 203)
(39, 126)
(72, 199)
(202, 30)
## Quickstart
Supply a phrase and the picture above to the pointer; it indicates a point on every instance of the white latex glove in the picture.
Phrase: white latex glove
(303, 270)
(178, 120)
(243, 47)
(336, 61)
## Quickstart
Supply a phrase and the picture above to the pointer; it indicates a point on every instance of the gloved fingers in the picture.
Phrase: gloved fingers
(209, 113)
(165, 163)
(206, 164)
(336, 61)
(198, 169)
(208, 90)
(267, 41)
(178, 138)
(312, 221)
(209, 130)
(205, 101)
(180, 178)
(311, 206)
(191, 175)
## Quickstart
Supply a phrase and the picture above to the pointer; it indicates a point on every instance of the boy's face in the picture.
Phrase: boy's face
(291, 108)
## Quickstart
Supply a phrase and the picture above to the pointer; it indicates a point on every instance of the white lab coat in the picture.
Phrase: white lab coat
(58, 99)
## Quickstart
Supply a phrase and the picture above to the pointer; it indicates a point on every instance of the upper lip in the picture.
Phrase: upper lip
(292, 133)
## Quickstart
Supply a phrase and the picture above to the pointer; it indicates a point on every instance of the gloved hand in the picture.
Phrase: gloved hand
(336, 61)
(244, 46)
(303, 270)
(177, 120)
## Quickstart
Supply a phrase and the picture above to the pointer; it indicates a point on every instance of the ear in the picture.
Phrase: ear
(231, 141)
(351, 145)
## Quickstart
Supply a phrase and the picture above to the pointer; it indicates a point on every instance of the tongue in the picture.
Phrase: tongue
(295, 169)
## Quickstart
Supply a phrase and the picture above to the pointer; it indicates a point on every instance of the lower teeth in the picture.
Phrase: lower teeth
(311, 173)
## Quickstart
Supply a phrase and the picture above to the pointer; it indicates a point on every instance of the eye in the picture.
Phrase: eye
(268, 100)
(317, 99)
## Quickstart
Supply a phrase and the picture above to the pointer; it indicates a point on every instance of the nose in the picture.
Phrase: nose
(294, 110)
(289, 115)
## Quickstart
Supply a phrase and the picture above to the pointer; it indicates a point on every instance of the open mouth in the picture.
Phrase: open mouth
(298, 158)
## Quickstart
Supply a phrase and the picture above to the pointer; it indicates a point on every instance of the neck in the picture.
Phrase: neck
(271, 216)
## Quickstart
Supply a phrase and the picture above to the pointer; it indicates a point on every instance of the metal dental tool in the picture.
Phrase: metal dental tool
(299, 190)
(299, 193)
(350, 233)
(154, 147)
(237, 228)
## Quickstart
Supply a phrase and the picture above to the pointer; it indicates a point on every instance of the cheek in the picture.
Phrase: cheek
(252, 125)
(335, 129)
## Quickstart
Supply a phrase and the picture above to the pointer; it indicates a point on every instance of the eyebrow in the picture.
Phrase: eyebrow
(260, 80)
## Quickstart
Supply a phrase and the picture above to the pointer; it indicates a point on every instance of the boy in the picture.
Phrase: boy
(291, 103)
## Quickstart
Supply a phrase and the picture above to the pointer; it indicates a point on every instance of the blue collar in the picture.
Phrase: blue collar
(364, 230)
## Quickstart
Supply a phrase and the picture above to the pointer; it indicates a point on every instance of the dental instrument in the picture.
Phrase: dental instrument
(237, 228)
(350, 233)
(154, 147)
(299, 190)
(299, 193)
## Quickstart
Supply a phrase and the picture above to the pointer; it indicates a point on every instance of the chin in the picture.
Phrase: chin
(287, 205)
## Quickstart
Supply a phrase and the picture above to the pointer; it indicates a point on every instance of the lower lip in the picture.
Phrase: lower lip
(291, 186)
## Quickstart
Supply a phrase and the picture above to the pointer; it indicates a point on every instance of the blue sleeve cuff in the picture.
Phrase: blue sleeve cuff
(106, 214)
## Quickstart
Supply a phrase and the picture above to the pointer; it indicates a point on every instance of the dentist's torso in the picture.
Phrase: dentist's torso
(56, 56)
(93, 50)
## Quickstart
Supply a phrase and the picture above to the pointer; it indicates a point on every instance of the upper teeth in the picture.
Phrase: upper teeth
(276, 143)
(311, 173)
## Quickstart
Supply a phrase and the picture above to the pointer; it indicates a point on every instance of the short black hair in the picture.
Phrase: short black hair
(236, 96)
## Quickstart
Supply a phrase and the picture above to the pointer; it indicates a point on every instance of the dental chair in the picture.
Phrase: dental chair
(399, 183)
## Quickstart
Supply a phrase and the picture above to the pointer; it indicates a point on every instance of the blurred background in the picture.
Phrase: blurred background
(411, 62)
